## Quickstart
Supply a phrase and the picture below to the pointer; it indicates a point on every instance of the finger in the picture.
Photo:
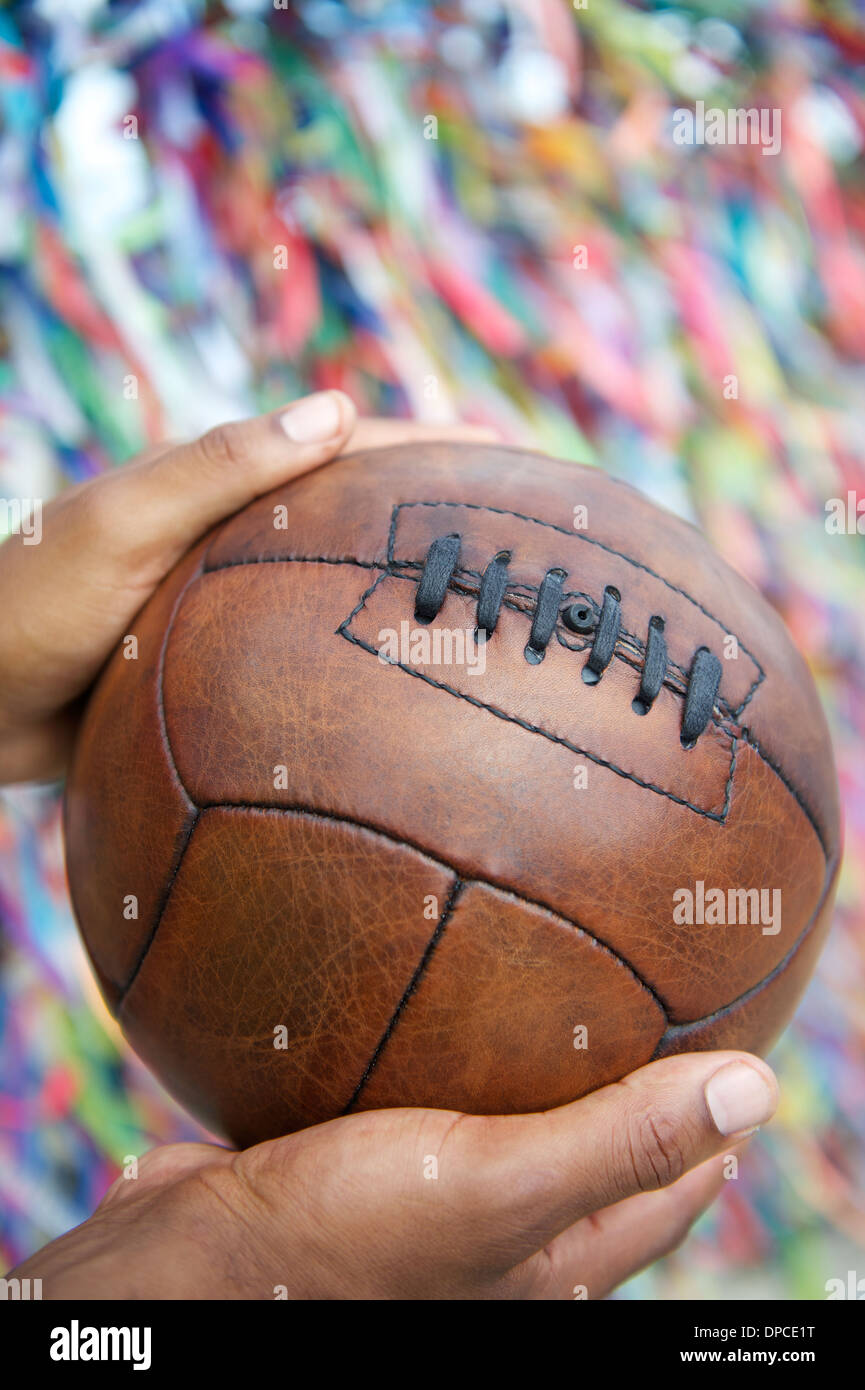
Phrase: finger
(381, 434)
(596, 1254)
(520, 1180)
(162, 505)
(227, 467)
(107, 543)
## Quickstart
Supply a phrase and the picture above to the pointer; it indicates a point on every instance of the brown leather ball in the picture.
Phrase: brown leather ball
(452, 776)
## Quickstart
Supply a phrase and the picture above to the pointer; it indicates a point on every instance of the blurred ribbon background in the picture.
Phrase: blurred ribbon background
(474, 210)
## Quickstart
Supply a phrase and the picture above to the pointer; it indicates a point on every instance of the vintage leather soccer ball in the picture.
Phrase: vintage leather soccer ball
(452, 776)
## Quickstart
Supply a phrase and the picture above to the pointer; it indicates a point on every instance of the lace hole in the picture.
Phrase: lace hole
(639, 706)
(590, 677)
(613, 592)
(533, 656)
(579, 617)
(688, 744)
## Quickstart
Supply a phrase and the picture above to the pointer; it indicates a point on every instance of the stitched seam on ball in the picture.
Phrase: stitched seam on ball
(315, 812)
(419, 972)
(779, 772)
(465, 882)
(734, 712)
(180, 855)
(719, 816)
(590, 540)
(312, 811)
(678, 1029)
(292, 559)
(193, 811)
(160, 681)
(723, 704)
(718, 722)
(523, 589)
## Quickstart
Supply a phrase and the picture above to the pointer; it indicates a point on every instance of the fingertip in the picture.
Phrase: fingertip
(322, 418)
(740, 1091)
(741, 1095)
(347, 411)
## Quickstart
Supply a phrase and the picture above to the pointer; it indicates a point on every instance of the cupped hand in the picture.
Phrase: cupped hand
(426, 1204)
(105, 545)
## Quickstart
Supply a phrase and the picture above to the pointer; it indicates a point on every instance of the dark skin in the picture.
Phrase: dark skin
(523, 1206)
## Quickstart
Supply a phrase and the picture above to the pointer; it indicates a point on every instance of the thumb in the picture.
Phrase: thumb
(164, 504)
(108, 543)
(520, 1180)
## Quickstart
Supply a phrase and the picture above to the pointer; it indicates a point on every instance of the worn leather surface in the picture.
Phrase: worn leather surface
(421, 905)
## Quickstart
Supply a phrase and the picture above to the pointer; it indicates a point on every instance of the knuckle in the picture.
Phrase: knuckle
(224, 447)
(654, 1147)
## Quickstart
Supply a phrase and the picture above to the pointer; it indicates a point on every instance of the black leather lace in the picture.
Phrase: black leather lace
(704, 677)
